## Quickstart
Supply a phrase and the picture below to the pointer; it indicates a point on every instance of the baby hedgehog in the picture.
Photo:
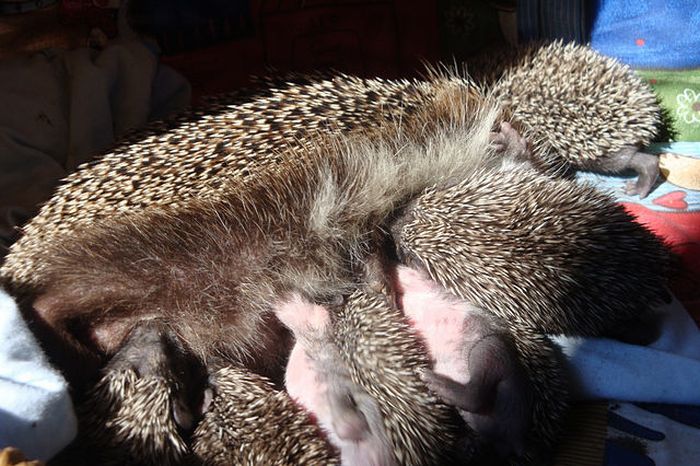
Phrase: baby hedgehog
(363, 371)
(249, 423)
(134, 413)
(577, 107)
(357, 368)
(549, 255)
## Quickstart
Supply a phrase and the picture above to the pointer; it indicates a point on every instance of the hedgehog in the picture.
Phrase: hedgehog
(374, 354)
(238, 135)
(565, 259)
(376, 407)
(249, 422)
(578, 109)
(197, 155)
(509, 388)
(206, 225)
(326, 209)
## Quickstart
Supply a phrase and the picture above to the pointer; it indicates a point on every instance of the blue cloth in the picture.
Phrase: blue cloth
(36, 412)
(648, 33)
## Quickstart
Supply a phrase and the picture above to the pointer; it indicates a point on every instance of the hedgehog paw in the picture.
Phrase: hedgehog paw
(496, 400)
(510, 143)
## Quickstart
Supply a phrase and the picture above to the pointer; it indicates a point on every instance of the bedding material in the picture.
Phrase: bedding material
(36, 413)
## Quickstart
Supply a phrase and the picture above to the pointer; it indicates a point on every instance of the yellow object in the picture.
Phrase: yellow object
(681, 170)
(13, 457)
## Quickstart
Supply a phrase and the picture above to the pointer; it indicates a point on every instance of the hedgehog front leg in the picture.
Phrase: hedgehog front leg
(146, 401)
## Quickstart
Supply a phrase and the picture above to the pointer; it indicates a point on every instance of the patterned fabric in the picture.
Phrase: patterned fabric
(672, 210)
(654, 434)
(679, 94)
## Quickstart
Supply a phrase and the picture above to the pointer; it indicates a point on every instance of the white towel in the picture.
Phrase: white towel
(36, 413)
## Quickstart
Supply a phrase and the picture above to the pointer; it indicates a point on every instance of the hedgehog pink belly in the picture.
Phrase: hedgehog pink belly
(441, 319)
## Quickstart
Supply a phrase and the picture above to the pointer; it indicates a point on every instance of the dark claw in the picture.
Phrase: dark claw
(152, 350)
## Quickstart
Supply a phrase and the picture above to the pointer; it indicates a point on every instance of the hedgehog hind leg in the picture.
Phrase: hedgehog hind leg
(152, 349)
(629, 157)
(496, 401)
(647, 168)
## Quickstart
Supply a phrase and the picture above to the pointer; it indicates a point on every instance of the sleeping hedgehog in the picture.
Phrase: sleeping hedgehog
(195, 235)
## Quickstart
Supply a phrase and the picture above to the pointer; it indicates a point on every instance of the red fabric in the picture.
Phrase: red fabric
(681, 230)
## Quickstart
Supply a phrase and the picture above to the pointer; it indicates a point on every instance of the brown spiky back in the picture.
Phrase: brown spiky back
(198, 155)
(250, 423)
(385, 357)
(575, 103)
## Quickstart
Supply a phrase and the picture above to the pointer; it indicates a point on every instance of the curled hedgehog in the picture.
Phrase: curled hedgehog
(204, 228)
(578, 109)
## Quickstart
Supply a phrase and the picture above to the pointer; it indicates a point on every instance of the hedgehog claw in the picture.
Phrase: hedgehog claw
(648, 170)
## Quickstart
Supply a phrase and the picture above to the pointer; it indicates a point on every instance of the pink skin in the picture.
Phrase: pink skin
(304, 383)
(474, 367)
(316, 378)
(474, 370)
(442, 322)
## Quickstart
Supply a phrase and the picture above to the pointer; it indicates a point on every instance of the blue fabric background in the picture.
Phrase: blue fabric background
(648, 33)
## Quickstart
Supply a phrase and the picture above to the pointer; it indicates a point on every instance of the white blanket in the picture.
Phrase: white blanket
(36, 413)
